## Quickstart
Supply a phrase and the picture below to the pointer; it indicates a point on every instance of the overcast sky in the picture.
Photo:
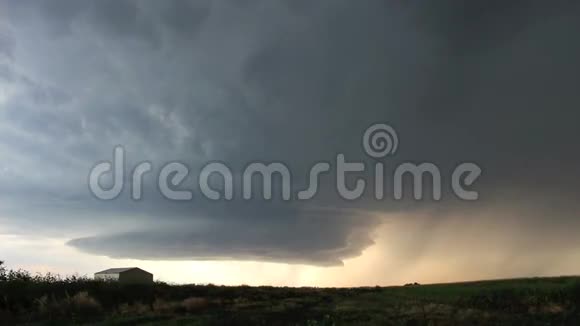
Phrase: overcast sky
(490, 82)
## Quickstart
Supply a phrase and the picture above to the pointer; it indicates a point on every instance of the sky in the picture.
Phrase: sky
(491, 83)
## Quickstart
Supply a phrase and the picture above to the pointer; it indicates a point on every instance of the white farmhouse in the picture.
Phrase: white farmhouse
(127, 275)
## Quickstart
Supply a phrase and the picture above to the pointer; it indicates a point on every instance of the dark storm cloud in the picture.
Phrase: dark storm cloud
(185, 17)
(314, 238)
(6, 44)
(480, 26)
(295, 81)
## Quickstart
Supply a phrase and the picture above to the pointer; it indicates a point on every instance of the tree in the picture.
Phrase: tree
(2, 271)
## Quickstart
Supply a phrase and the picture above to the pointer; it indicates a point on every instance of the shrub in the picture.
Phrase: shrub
(85, 305)
(167, 307)
(137, 308)
(195, 304)
(81, 306)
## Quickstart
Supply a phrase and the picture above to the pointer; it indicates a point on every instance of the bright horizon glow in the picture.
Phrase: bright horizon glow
(447, 261)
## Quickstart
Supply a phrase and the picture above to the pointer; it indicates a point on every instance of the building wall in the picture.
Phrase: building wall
(110, 277)
(136, 277)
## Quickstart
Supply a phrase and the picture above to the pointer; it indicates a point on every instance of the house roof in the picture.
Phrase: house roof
(119, 270)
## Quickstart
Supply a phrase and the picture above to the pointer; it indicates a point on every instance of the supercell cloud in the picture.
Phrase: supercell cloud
(293, 81)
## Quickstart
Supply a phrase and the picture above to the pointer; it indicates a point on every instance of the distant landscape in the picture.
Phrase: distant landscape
(54, 300)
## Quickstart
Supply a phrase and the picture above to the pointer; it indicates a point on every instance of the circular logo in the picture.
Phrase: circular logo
(380, 140)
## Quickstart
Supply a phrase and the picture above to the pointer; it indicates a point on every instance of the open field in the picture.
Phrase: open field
(51, 300)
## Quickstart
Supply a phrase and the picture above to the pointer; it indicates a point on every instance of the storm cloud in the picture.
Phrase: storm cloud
(293, 81)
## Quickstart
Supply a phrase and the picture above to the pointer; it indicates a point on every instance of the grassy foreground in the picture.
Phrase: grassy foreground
(41, 300)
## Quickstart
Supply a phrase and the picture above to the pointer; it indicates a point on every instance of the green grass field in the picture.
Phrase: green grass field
(42, 300)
